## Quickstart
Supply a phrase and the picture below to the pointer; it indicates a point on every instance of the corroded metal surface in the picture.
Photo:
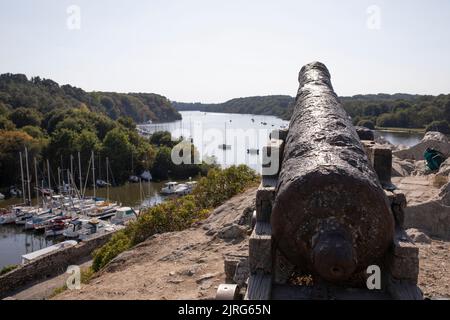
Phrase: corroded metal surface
(330, 216)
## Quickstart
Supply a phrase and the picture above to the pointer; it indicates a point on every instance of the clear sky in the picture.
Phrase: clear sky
(212, 51)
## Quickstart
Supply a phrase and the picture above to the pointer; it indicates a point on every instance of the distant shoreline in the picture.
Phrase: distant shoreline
(401, 130)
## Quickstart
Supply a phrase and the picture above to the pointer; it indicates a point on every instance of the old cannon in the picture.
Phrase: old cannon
(326, 212)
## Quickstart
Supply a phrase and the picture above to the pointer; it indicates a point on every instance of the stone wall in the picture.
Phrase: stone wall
(50, 265)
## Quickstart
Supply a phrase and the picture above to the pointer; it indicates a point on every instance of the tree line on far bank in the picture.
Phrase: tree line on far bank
(61, 134)
(431, 113)
(58, 122)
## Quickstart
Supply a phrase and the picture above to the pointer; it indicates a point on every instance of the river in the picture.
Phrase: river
(243, 131)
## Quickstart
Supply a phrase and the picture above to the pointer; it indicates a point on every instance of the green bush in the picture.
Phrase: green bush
(7, 269)
(440, 126)
(367, 124)
(180, 213)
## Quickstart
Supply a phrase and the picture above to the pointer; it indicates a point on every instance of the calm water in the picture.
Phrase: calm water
(401, 138)
(14, 241)
(208, 131)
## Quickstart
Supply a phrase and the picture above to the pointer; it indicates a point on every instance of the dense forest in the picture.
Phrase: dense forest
(56, 122)
(44, 95)
(371, 110)
(262, 105)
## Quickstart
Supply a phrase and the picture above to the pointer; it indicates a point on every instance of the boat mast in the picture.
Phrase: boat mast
(107, 179)
(28, 175)
(49, 180)
(36, 179)
(23, 181)
(93, 170)
(71, 166)
(59, 180)
(79, 167)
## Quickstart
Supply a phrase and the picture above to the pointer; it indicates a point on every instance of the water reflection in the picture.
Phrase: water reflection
(407, 139)
(14, 242)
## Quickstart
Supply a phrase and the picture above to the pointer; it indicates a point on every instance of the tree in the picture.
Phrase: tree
(6, 124)
(25, 116)
(162, 164)
(62, 145)
(162, 138)
(86, 142)
(440, 126)
(127, 122)
(117, 147)
(367, 124)
(35, 132)
(11, 144)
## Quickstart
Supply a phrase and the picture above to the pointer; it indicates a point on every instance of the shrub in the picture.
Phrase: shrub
(367, 124)
(7, 269)
(440, 126)
(178, 214)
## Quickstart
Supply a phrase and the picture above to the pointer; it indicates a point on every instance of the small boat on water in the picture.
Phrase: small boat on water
(225, 146)
(169, 188)
(38, 220)
(15, 192)
(26, 258)
(24, 213)
(83, 229)
(179, 189)
(253, 151)
(123, 215)
(101, 183)
(103, 210)
(56, 226)
(6, 216)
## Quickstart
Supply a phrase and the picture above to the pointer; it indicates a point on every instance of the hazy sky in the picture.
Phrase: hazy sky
(211, 51)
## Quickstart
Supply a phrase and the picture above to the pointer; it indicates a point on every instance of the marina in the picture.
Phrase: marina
(52, 217)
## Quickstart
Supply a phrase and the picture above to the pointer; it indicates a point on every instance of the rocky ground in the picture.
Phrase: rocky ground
(434, 276)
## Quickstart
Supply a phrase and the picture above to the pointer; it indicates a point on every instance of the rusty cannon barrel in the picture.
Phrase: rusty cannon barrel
(330, 216)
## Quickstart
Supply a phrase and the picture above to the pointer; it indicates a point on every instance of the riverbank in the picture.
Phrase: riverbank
(401, 130)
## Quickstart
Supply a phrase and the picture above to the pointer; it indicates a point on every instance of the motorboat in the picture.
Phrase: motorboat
(169, 188)
(224, 146)
(83, 229)
(101, 183)
(56, 226)
(6, 216)
(133, 179)
(38, 219)
(14, 192)
(24, 213)
(123, 215)
(73, 228)
(103, 210)
(179, 189)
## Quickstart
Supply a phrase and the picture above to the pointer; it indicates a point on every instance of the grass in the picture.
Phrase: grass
(7, 269)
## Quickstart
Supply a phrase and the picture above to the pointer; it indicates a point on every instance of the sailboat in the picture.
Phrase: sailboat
(225, 146)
